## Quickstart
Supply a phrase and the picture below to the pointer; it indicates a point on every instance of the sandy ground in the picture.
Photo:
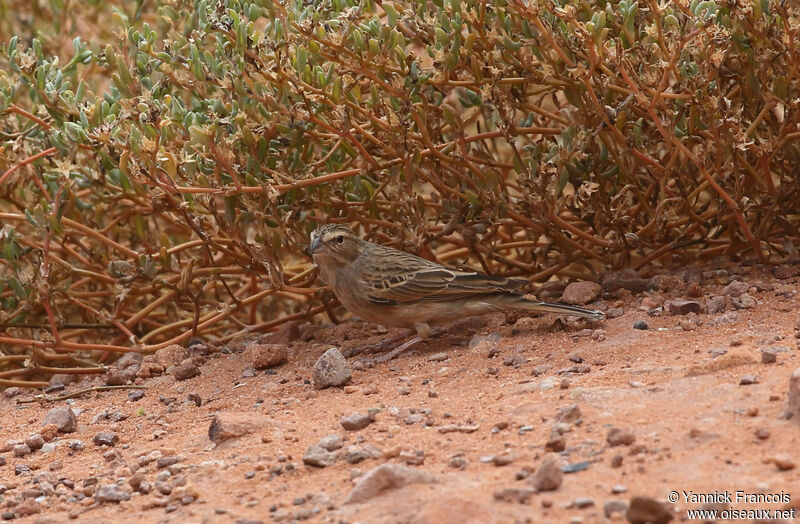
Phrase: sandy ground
(676, 387)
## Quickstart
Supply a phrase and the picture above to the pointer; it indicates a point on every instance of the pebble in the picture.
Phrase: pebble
(616, 461)
(63, 417)
(518, 495)
(541, 369)
(356, 421)
(684, 307)
(748, 380)
(77, 445)
(21, 450)
(644, 510)
(233, 424)
(620, 437)
(618, 489)
(186, 371)
(580, 293)
(458, 462)
(330, 370)
(438, 357)
(793, 409)
(556, 443)
(35, 441)
(762, 433)
(571, 413)
(105, 439)
(769, 355)
(112, 493)
(262, 356)
(136, 395)
(49, 447)
(783, 462)
(548, 475)
(640, 324)
(171, 355)
(331, 442)
(583, 502)
(384, 478)
(614, 506)
(576, 467)
(716, 305)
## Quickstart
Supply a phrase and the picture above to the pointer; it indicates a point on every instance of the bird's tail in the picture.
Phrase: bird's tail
(564, 309)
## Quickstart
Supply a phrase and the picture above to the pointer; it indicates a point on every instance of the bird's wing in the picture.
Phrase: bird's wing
(397, 277)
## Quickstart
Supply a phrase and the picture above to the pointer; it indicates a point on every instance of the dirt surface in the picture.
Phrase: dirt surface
(695, 407)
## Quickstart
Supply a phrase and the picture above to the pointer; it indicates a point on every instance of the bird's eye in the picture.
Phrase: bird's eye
(340, 239)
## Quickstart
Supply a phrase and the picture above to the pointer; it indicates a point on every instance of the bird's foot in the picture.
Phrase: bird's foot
(396, 352)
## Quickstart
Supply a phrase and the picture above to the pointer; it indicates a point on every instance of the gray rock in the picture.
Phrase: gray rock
(645, 510)
(112, 493)
(580, 293)
(35, 441)
(490, 339)
(356, 421)
(383, 478)
(620, 437)
(748, 380)
(330, 370)
(736, 288)
(614, 506)
(21, 450)
(716, 305)
(640, 324)
(769, 355)
(583, 502)
(63, 417)
(571, 413)
(548, 475)
(331, 442)
(105, 439)
(318, 456)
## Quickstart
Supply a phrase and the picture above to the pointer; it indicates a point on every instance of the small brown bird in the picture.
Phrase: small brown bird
(390, 287)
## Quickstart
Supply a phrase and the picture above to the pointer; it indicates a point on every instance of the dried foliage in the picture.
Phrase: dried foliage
(162, 162)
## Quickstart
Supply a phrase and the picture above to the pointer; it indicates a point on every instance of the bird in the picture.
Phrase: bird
(394, 288)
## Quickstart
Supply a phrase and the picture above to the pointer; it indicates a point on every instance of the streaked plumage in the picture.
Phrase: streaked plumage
(386, 286)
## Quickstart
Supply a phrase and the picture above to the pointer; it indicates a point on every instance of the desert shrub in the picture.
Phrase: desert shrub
(163, 162)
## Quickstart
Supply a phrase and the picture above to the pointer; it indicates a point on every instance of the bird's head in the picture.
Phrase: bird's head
(334, 245)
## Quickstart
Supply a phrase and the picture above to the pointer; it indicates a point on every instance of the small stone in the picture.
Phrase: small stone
(136, 395)
(64, 419)
(580, 293)
(583, 502)
(640, 324)
(762, 433)
(438, 357)
(195, 398)
(165, 462)
(331, 442)
(614, 506)
(576, 467)
(518, 495)
(644, 510)
(27, 507)
(356, 421)
(262, 356)
(21, 450)
(458, 462)
(556, 443)
(318, 457)
(541, 369)
(171, 355)
(735, 288)
(616, 461)
(105, 439)
(330, 370)
(384, 478)
(684, 307)
(548, 475)
(503, 460)
(234, 424)
(794, 396)
(619, 489)
(744, 301)
(620, 437)
(48, 447)
(716, 305)
(783, 462)
(77, 445)
(186, 371)
(769, 355)
(112, 493)
(748, 380)
(570, 413)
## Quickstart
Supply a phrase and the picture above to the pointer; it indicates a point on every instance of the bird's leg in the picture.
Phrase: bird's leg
(423, 331)
(384, 345)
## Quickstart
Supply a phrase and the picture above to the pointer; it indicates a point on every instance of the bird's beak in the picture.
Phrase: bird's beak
(315, 244)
